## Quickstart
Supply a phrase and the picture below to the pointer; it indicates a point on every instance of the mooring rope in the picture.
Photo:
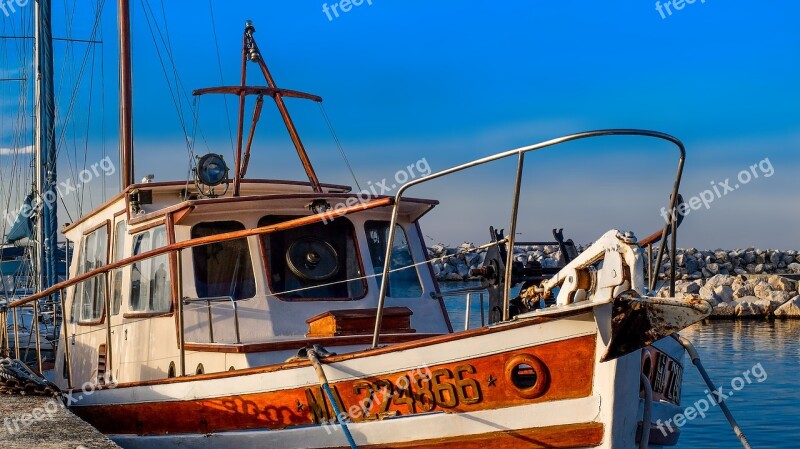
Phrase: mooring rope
(17, 378)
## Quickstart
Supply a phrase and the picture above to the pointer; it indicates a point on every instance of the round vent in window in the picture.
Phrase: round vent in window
(312, 259)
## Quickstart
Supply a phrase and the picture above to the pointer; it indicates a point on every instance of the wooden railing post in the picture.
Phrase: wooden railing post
(109, 372)
(181, 326)
(67, 359)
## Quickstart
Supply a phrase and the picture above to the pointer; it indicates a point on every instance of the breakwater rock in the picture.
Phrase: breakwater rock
(740, 283)
(740, 296)
(454, 263)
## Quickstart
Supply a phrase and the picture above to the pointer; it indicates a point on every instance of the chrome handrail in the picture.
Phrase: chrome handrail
(216, 299)
(519, 152)
(467, 292)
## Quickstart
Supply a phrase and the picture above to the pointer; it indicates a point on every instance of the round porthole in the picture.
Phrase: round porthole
(528, 375)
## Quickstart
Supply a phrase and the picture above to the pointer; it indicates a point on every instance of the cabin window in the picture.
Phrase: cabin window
(317, 261)
(90, 295)
(150, 280)
(404, 280)
(223, 268)
(116, 275)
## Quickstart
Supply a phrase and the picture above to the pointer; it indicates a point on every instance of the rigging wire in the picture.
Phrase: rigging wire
(221, 77)
(339, 144)
(104, 153)
(178, 89)
(82, 71)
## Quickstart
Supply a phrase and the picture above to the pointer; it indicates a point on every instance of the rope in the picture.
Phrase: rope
(17, 378)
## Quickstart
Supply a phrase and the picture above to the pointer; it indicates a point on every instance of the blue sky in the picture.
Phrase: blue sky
(454, 81)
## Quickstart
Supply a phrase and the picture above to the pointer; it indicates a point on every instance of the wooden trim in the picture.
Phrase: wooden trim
(269, 197)
(435, 282)
(98, 226)
(96, 211)
(427, 341)
(99, 322)
(244, 181)
(257, 90)
(170, 241)
(104, 312)
(288, 345)
(176, 277)
(135, 315)
(124, 194)
(147, 227)
(122, 212)
(180, 214)
(207, 240)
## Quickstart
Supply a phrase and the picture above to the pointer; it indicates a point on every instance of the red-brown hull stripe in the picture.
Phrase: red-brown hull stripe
(566, 436)
(481, 383)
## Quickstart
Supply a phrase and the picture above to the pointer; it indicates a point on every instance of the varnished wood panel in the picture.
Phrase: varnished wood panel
(334, 323)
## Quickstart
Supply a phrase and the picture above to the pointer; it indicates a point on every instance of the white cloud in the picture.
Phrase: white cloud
(15, 151)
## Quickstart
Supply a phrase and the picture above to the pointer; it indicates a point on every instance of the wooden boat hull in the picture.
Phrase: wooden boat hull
(455, 390)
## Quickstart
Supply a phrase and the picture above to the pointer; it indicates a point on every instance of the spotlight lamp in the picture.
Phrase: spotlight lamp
(210, 172)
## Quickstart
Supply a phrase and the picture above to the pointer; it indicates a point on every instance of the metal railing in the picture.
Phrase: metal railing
(467, 293)
(216, 299)
(175, 250)
(520, 154)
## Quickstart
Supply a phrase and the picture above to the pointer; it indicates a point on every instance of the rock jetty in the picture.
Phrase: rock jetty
(740, 283)
(744, 296)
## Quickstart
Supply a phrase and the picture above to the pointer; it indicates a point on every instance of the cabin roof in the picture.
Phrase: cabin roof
(250, 186)
(294, 194)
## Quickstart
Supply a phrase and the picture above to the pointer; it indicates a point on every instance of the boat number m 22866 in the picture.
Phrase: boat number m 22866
(413, 392)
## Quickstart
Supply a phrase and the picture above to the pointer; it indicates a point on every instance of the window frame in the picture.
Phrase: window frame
(356, 247)
(249, 255)
(77, 293)
(414, 267)
(118, 243)
(150, 229)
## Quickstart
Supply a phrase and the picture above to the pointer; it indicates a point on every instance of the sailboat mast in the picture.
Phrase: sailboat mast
(46, 175)
(126, 94)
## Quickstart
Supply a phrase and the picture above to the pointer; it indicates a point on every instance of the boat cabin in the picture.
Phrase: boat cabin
(240, 302)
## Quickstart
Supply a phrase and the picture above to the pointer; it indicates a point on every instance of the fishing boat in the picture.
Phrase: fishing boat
(234, 312)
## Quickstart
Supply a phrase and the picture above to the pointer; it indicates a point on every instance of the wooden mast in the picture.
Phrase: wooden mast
(255, 55)
(126, 94)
